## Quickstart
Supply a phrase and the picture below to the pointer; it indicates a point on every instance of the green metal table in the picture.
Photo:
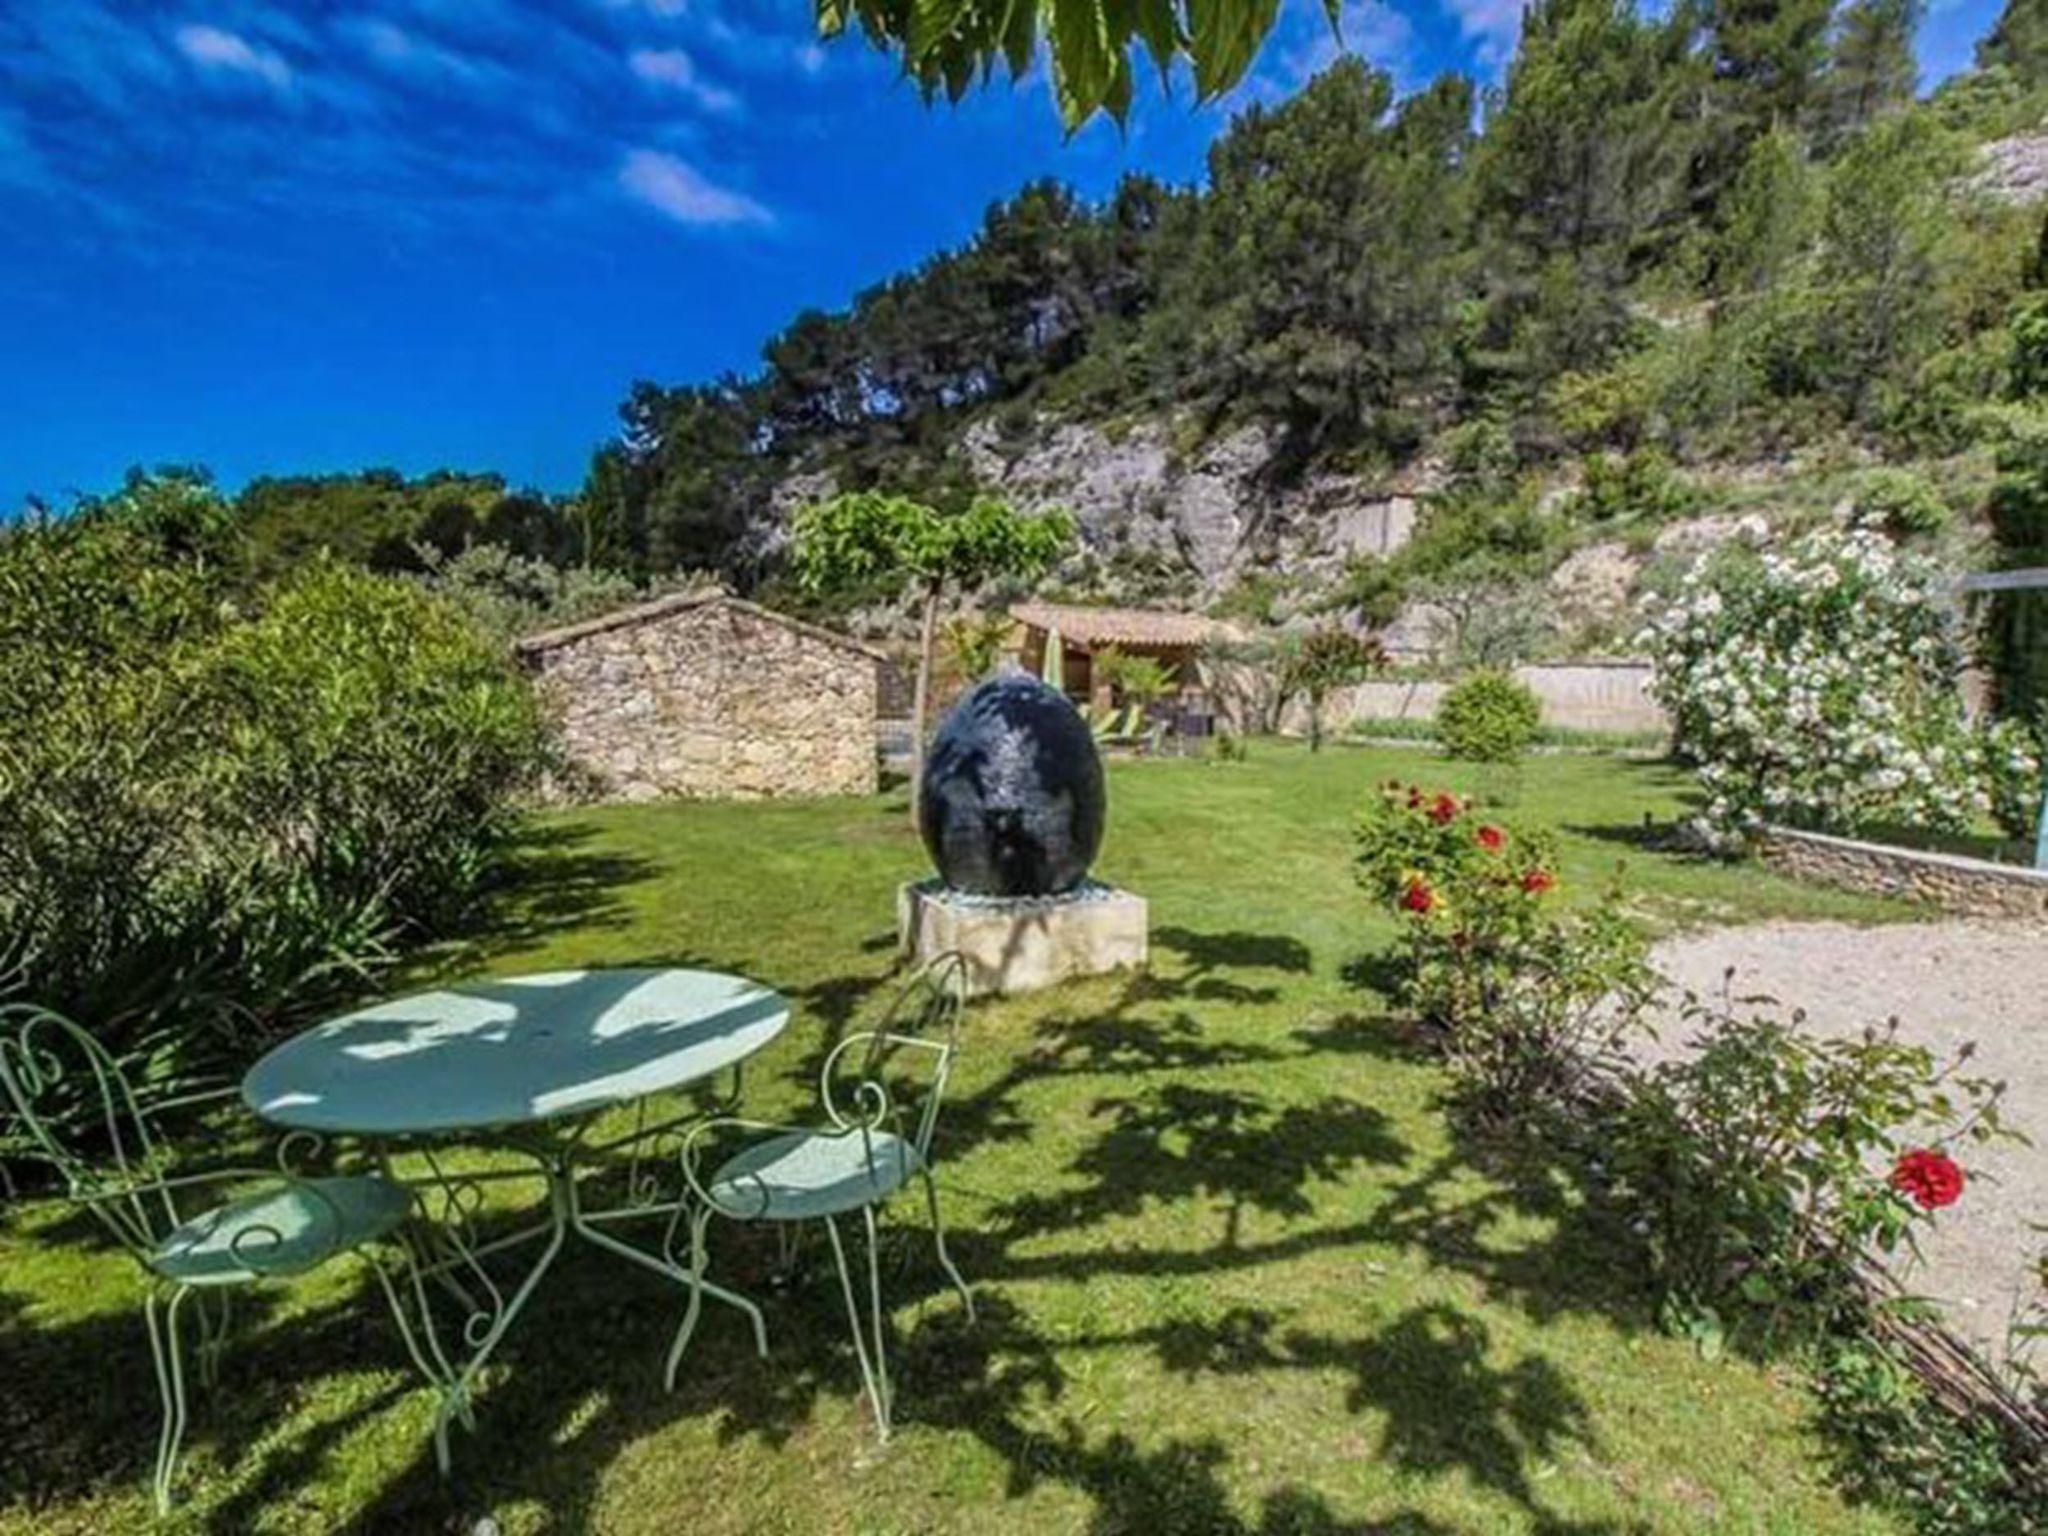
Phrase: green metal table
(527, 1064)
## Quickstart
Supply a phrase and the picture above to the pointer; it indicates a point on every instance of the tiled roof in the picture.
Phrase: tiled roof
(1122, 626)
(677, 602)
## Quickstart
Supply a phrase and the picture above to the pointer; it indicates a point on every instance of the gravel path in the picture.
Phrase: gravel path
(1948, 983)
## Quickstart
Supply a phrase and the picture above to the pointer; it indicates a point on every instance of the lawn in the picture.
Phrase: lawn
(1236, 1273)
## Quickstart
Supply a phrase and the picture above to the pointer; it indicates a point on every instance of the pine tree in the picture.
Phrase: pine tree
(1871, 68)
(2018, 42)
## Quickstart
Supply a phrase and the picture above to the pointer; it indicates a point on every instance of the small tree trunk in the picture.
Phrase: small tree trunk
(921, 696)
(1315, 721)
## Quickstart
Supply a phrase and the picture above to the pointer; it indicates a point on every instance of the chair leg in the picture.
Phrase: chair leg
(167, 1354)
(213, 1333)
(700, 1222)
(875, 1375)
(931, 1195)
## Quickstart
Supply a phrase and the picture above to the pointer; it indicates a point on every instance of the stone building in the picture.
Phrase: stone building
(702, 695)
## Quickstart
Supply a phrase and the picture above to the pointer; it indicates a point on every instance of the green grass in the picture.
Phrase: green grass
(1237, 1275)
(1422, 729)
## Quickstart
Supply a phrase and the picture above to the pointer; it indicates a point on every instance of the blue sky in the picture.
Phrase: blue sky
(270, 237)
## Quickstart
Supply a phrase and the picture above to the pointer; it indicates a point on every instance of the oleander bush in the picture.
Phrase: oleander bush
(219, 803)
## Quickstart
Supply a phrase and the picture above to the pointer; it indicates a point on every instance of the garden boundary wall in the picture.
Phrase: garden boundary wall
(1599, 694)
(1956, 884)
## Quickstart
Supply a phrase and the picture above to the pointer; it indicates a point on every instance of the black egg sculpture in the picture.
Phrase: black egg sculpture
(1012, 799)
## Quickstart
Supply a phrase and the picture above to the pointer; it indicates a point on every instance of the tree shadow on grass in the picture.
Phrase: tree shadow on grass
(1187, 1118)
(552, 880)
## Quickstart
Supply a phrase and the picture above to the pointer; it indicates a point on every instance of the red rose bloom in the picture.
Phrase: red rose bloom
(1443, 809)
(1491, 837)
(1928, 1178)
(1537, 881)
(1418, 898)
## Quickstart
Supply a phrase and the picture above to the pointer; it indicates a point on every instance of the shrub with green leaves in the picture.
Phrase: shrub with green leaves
(215, 803)
(1524, 996)
(1761, 1163)
(1490, 716)
(1899, 503)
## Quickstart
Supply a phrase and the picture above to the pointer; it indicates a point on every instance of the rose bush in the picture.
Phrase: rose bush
(1763, 1161)
(1821, 687)
(1523, 996)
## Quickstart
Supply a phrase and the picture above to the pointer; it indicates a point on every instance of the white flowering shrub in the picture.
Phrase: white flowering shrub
(1819, 686)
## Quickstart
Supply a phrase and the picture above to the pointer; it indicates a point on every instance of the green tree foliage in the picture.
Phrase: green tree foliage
(381, 520)
(219, 802)
(1314, 665)
(2018, 43)
(1324, 268)
(1094, 45)
(508, 595)
(1871, 68)
(1582, 162)
(1137, 679)
(675, 491)
(891, 546)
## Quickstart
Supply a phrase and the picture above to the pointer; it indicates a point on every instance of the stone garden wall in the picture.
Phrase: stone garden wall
(1597, 695)
(706, 696)
(1962, 886)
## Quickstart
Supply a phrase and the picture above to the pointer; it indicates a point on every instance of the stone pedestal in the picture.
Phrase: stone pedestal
(1021, 943)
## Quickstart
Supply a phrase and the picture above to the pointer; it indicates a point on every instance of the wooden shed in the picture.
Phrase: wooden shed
(703, 695)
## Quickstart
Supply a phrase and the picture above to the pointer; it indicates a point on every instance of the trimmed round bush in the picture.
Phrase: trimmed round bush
(1489, 717)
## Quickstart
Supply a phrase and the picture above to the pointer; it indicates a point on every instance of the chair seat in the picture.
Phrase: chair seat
(284, 1230)
(805, 1174)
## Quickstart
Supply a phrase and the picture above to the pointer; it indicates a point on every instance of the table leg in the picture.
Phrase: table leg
(587, 1228)
(484, 1328)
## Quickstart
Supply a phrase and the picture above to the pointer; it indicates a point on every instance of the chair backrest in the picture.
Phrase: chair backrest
(79, 1113)
(924, 1018)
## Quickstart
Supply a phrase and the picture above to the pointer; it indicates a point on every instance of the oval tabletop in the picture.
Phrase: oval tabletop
(513, 1051)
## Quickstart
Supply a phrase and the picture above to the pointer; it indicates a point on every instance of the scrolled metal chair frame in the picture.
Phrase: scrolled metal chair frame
(925, 1017)
(131, 1190)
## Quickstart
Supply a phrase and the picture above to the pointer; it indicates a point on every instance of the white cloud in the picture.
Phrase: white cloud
(1304, 46)
(212, 48)
(1493, 26)
(671, 187)
(402, 52)
(673, 69)
(810, 58)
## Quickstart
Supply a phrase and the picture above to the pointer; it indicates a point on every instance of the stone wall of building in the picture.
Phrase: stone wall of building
(710, 698)
(1962, 886)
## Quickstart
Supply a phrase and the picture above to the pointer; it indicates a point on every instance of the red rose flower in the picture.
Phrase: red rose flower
(1928, 1178)
(1490, 837)
(1418, 898)
(1537, 881)
(1443, 809)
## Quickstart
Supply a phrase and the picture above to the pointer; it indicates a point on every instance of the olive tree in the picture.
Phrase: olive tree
(892, 547)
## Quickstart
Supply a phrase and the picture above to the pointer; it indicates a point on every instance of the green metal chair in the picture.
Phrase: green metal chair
(80, 1114)
(863, 1155)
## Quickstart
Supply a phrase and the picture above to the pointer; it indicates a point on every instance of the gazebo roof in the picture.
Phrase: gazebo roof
(1091, 626)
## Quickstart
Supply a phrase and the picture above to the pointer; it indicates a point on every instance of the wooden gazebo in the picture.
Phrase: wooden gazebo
(1177, 640)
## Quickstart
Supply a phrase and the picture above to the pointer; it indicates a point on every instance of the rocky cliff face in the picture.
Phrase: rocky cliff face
(2015, 169)
(1179, 526)
(1214, 513)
